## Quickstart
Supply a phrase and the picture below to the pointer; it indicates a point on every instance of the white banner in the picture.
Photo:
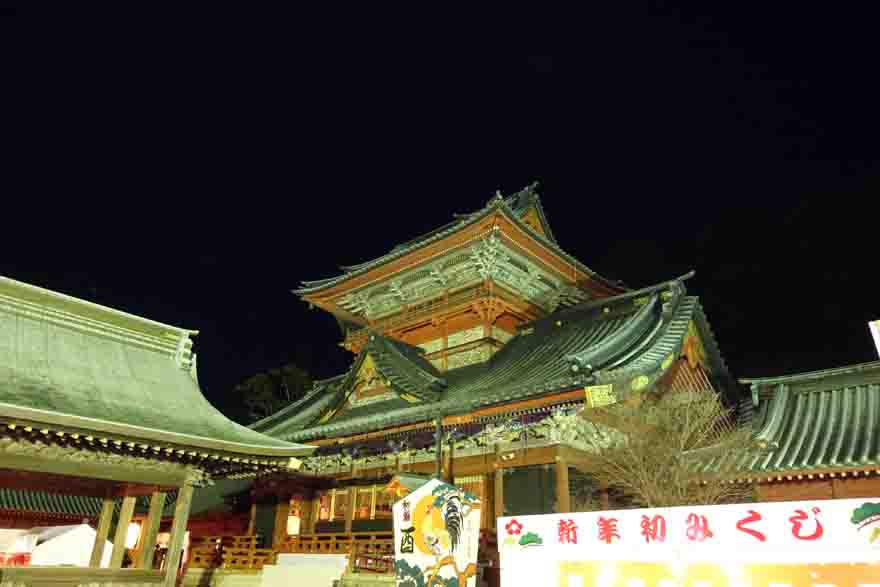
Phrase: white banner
(735, 540)
(875, 332)
(436, 537)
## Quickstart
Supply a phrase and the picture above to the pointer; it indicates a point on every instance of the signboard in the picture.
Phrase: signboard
(797, 544)
(875, 332)
(436, 536)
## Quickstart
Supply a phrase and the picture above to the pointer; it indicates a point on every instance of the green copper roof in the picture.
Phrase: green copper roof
(820, 420)
(405, 368)
(633, 339)
(513, 206)
(68, 364)
(49, 503)
(205, 499)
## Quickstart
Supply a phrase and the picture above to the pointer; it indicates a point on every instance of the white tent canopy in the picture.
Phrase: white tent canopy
(55, 545)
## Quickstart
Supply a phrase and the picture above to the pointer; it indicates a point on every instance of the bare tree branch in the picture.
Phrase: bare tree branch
(681, 449)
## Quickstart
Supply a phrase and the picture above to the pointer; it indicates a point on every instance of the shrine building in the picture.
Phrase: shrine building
(102, 421)
(474, 348)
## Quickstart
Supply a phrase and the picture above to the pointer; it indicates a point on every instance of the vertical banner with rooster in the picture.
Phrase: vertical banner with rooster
(436, 536)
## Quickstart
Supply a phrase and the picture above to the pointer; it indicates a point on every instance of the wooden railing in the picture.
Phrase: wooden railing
(371, 552)
(333, 543)
(230, 552)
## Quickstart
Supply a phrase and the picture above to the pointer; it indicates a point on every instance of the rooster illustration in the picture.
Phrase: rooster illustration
(446, 539)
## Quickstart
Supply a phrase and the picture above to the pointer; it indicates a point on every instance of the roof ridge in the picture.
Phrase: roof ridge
(264, 423)
(52, 306)
(593, 304)
(807, 375)
(430, 379)
(496, 203)
(594, 357)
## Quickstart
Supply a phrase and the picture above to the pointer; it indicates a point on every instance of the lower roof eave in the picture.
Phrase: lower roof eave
(802, 474)
(438, 411)
(39, 418)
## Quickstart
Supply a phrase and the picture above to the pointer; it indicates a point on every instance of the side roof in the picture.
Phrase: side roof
(623, 342)
(820, 421)
(72, 365)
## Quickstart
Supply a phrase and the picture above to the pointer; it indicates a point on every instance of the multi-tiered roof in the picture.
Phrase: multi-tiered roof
(600, 344)
(502, 261)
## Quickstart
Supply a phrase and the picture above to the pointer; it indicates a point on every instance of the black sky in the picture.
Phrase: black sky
(195, 177)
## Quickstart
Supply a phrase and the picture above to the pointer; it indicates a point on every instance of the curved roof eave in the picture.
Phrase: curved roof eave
(494, 205)
(275, 448)
(659, 344)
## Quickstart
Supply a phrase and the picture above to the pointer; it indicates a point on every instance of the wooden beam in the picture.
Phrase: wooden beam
(92, 470)
(125, 513)
(103, 532)
(178, 529)
(66, 576)
(150, 531)
(57, 484)
(563, 498)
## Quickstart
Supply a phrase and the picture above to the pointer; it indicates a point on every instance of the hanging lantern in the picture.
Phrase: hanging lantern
(132, 535)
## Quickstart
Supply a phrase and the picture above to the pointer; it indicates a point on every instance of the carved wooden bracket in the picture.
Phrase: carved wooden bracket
(488, 309)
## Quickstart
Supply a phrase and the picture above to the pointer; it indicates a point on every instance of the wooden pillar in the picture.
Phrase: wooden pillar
(178, 530)
(563, 498)
(252, 523)
(151, 531)
(445, 333)
(499, 495)
(282, 511)
(125, 513)
(103, 532)
(306, 509)
(349, 511)
(604, 502)
(438, 446)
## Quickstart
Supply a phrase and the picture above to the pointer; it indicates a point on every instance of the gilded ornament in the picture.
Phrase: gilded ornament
(640, 383)
(600, 395)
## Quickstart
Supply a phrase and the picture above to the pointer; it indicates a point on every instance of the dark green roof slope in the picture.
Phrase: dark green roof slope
(205, 499)
(50, 503)
(406, 368)
(513, 206)
(400, 364)
(69, 364)
(818, 421)
(633, 335)
(309, 406)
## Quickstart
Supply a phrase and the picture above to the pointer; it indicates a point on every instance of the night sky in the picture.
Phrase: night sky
(196, 177)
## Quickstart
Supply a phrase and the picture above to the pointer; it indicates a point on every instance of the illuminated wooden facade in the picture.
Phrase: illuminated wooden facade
(486, 335)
